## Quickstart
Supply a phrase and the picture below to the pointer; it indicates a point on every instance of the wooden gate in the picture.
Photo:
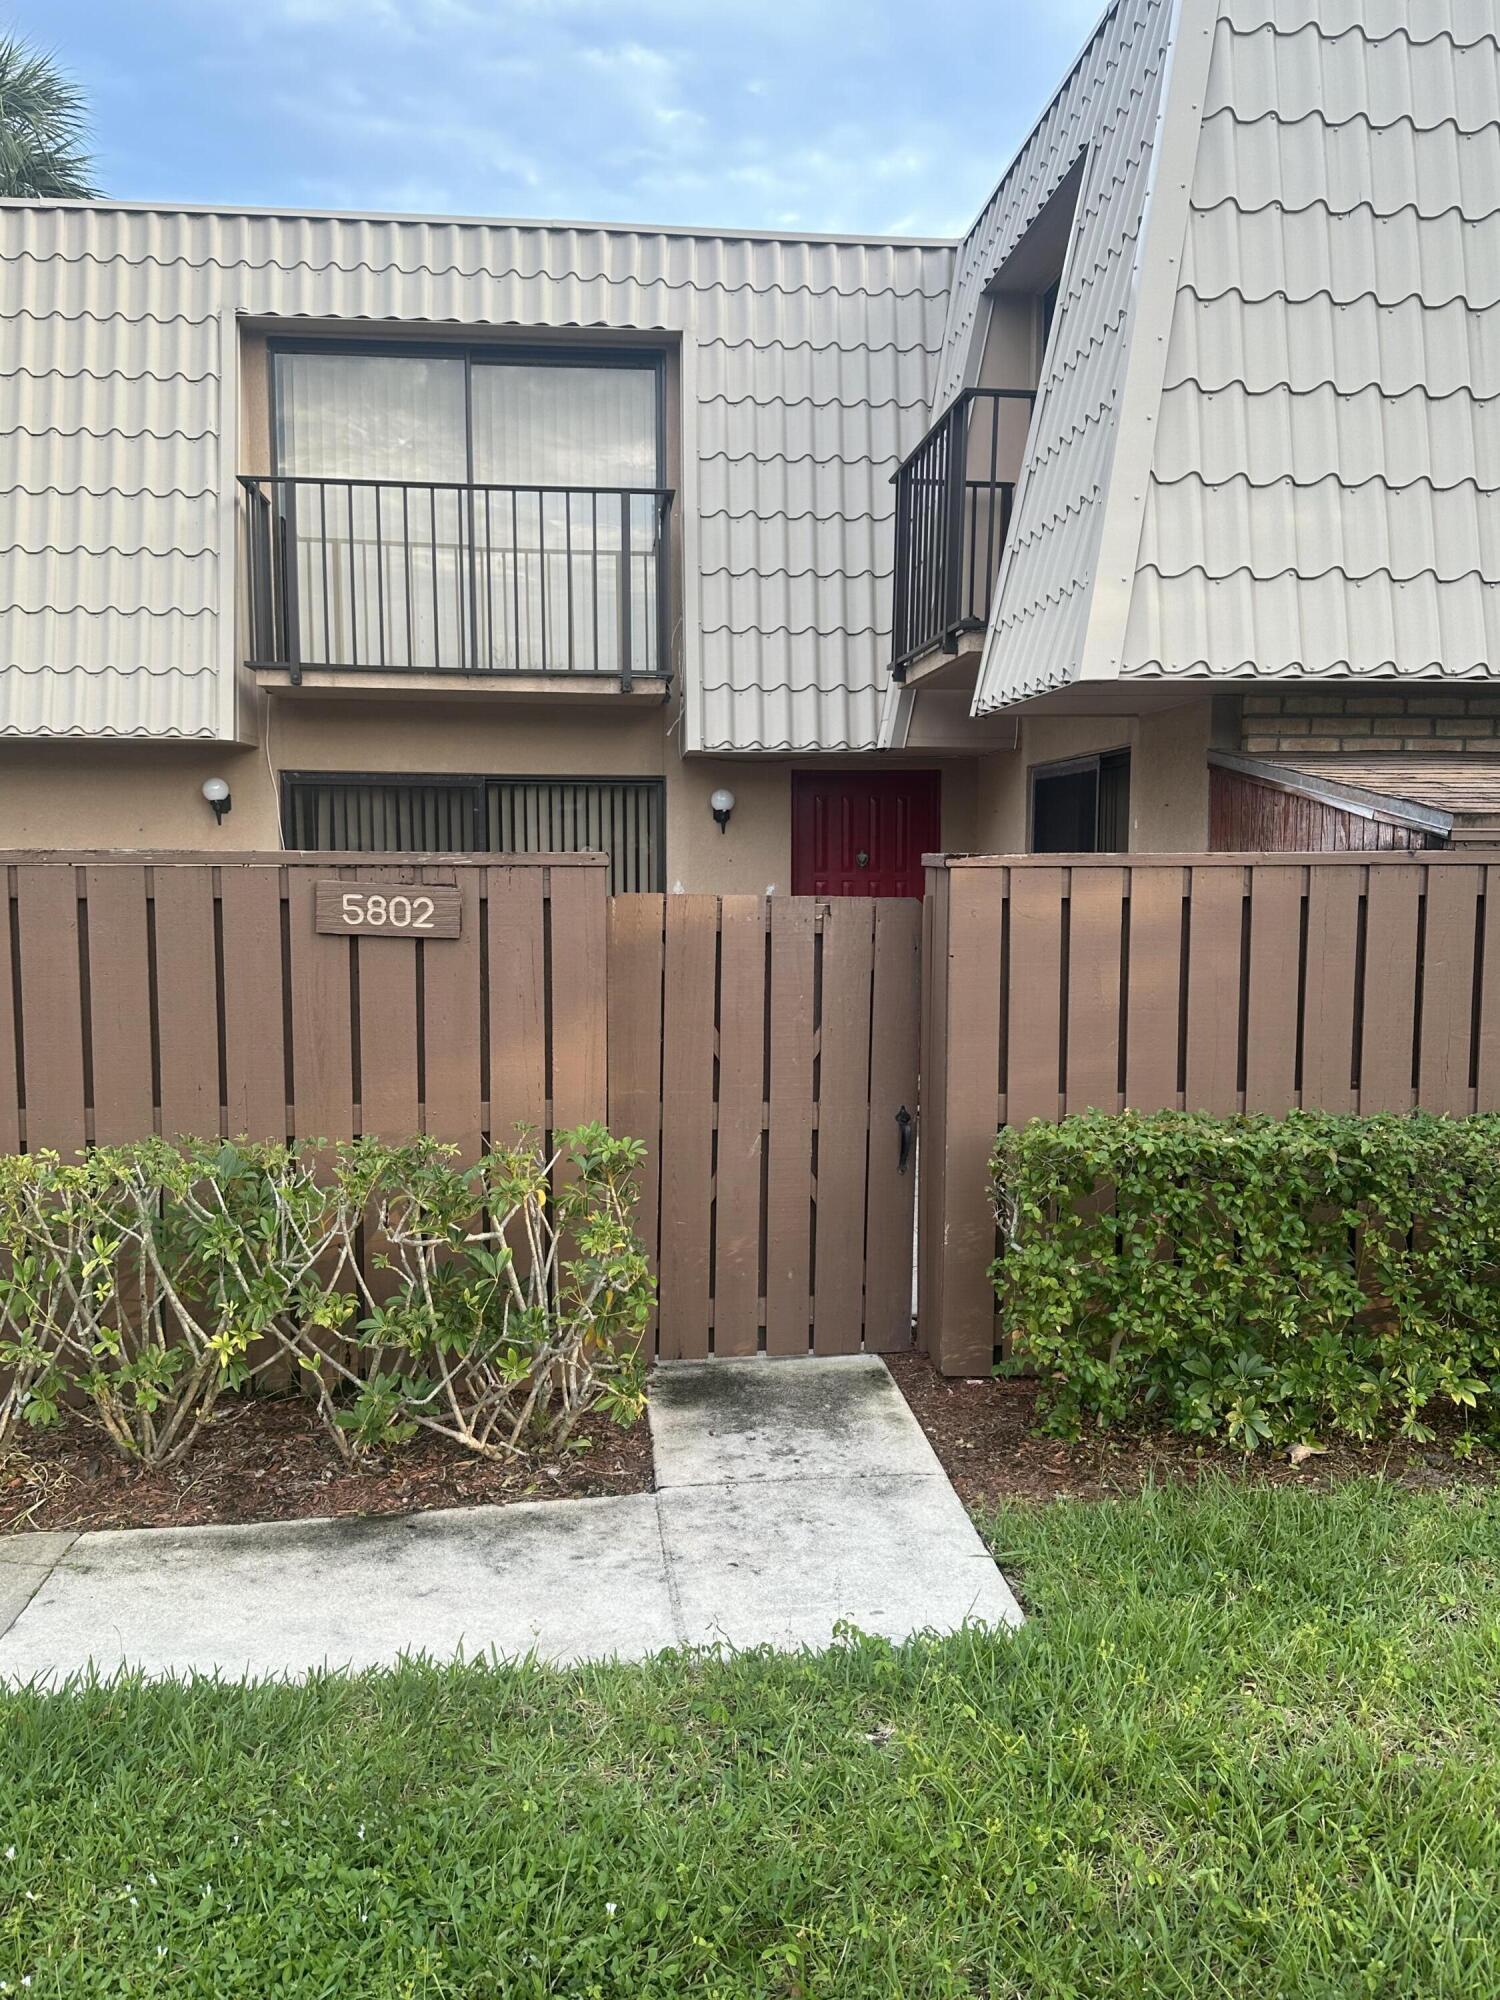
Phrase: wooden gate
(765, 1049)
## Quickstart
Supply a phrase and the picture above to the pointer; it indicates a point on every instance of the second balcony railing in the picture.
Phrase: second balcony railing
(407, 576)
(953, 502)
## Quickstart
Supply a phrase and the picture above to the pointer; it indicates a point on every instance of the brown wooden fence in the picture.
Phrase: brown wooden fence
(1219, 983)
(771, 1044)
(762, 1050)
(180, 996)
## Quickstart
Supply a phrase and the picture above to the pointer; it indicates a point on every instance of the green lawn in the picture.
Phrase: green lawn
(1250, 1744)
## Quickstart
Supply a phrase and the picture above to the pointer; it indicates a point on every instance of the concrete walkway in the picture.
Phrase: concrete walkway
(792, 1497)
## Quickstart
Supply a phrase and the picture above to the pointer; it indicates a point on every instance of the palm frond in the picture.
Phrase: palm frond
(43, 128)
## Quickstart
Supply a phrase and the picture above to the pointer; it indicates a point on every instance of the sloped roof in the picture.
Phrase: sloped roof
(1267, 440)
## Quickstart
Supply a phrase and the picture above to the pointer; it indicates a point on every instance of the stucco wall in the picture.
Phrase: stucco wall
(1168, 776)
(77, 795)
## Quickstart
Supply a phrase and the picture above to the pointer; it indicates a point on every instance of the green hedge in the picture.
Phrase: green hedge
(1260, 1279)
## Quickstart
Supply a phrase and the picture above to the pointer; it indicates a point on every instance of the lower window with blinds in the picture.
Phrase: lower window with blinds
(374, 813)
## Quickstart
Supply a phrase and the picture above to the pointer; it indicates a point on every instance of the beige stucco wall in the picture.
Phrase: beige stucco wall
(77, 795)
(1168, 775)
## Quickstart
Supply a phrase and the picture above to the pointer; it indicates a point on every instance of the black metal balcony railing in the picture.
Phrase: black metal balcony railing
(421, 576)
(952, 517)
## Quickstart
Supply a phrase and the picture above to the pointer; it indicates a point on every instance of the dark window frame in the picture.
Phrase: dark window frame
(485, 354)
(1117, 755)
(478, 785)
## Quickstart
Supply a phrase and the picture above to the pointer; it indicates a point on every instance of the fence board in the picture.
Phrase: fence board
(1096, 900)
(635, 1049)
(742, 1100)
(1448, 989)
(579, 1023)
(254, 1054)
(120, 992)
(389, 1098)
(1328, 1005)
(1153, 1024)
(1387, 1033)
(1274, 979)
(687, 1124)
(843, 1126)
(322, 1020)
(10, 1075)
(971, 1084)
(187, 986)
(890, 1196)
(1215, 947)
(1034, 1060)
(1487, 1064)
(51, 1008)
(517, 1002)
(452, 1027)
(789, 1144)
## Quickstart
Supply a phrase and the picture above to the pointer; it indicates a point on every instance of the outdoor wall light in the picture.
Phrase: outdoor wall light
(216, 791)
(721, 805)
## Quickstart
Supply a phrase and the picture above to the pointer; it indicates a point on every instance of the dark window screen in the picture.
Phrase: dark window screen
(1082, 807)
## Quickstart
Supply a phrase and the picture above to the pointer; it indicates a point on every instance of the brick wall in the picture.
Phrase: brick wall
(1332, 719)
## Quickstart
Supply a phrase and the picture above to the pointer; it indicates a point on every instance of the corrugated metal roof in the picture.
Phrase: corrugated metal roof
(811, 368)
(1109, 109)
(1326, 490)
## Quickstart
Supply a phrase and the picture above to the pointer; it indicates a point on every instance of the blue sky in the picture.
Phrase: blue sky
(892, 116)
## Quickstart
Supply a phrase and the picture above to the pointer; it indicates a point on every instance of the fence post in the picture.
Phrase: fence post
(961, 1013)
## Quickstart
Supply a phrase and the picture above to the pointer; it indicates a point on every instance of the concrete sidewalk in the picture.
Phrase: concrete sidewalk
(792, 1497)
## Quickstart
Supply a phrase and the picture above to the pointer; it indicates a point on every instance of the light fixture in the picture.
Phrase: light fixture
(721, 805)
(216, 791)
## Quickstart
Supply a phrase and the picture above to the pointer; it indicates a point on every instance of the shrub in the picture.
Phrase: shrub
(1260, 1279)
(146, 1281)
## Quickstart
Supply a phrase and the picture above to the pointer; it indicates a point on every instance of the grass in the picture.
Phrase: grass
(1250, 1745)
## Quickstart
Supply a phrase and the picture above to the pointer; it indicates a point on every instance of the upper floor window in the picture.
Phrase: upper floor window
(468, 416)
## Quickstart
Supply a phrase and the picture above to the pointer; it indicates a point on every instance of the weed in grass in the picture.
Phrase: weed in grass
(1248, 1746)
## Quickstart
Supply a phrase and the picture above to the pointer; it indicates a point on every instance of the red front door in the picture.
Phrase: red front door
(863, 833)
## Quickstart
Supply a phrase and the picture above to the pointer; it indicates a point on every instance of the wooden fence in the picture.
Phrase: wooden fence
(772, 1045)
(1206, 982)
(180, 996)
(762, 1050)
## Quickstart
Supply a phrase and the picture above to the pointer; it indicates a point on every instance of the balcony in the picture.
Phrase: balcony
(542, 587)
(954, 495)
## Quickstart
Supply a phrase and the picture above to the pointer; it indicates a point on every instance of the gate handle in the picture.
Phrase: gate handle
(903, 1144)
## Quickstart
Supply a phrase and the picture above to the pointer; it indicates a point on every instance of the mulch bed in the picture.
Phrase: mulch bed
(986, 1436)
(268, 1460)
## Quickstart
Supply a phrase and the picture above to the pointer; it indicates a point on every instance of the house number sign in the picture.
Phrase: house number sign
(394, 909)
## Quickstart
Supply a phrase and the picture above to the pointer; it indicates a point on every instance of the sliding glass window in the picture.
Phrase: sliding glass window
(471, 509)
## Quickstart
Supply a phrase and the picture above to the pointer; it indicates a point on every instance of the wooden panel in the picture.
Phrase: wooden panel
(517, 1003)
(894, 1028)
(10, 1082)
(1488, 1095)
(789, 1146)
(387, 975)
(51, 1007)
(1328, 1011)
(187, 998)
(932, 1128)
(1275, 976)
(635, 1039)
(1153, 1027)
(1094, 928)
(687, 1123)
(1448, 989)
(1387, 1036)
(579, 1018)
(254, 1057)
(1034, 1059)
(452, 1027)
(742, 1098)
(965, 1337)
(120, 992)
(843, 1125)
(322, 1019)
(1215, 946)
